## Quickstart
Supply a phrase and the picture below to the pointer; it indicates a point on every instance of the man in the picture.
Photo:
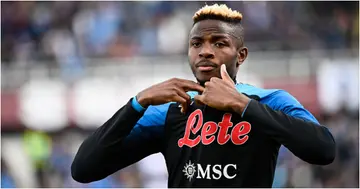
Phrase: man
(230, 136)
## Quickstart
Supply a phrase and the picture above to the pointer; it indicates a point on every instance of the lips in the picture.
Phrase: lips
(206, 66)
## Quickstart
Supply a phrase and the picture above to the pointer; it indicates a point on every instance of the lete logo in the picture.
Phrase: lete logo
(238, 134)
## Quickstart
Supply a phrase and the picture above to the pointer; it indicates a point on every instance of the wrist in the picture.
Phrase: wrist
(138, 107)
(142, 100)
(240, 104)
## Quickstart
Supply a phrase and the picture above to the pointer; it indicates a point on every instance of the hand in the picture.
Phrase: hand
(222, 94)
(173, 90)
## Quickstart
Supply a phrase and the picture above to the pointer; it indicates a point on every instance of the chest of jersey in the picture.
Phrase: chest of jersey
(209, 146)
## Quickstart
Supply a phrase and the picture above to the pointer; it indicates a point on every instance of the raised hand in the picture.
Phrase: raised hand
(173, 90)
(221, 93)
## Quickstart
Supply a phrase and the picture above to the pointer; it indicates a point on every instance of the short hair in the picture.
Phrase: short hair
(221, 13)
(218, 12)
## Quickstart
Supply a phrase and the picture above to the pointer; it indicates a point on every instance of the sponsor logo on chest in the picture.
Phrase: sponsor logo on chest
(209, 172)
(205, 133)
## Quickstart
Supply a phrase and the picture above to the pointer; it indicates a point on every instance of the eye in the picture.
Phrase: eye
(219, 44)
(195, 44)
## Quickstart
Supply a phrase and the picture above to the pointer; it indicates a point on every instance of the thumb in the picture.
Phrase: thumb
(225, 76)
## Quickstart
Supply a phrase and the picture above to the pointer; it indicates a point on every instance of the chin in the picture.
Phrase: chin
(203, 79)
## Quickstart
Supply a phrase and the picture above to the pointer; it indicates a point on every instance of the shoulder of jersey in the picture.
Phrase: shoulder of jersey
(251, 90)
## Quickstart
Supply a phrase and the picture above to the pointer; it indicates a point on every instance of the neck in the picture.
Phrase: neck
(202, 83)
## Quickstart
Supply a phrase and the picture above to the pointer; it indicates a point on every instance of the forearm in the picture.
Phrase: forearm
(97, 154)
(311, 142)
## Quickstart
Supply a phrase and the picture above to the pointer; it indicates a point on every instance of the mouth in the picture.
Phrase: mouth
(206, 66)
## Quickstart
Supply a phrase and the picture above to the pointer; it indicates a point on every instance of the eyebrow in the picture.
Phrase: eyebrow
(213, 36)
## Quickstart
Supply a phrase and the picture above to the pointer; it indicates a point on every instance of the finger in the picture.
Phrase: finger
(199, 99)
(225, 76)
(188, 85)
(184, 107)
(184, 95)
(213, 79)
(207, 84)
(181, 92)
(184, 99)
(179, 99)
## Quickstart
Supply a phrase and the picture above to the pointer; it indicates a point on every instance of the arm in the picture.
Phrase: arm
(130, 135)
(284, 119)
(291, 125)
(127, 137)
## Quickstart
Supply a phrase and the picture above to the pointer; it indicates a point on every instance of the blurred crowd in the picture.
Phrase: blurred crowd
(65, 34)
(68, 31)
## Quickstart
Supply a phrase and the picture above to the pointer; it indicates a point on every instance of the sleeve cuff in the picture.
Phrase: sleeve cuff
(242, 114)
(135, 104)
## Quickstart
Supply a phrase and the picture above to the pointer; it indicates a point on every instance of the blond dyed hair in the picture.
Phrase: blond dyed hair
(217, 12)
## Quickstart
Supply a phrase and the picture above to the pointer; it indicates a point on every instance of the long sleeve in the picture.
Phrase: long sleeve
(285, 120)
(127, 137)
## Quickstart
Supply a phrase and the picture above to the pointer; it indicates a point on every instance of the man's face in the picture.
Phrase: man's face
(211, 44)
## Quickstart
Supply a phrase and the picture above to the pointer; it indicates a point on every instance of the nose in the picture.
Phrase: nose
(206, 52)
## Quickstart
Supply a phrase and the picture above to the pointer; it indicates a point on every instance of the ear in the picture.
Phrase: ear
(242, 55)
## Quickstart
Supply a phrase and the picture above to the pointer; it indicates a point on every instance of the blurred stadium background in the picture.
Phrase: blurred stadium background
(66, 67)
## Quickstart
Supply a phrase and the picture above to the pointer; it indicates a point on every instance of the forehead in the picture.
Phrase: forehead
(209, 27)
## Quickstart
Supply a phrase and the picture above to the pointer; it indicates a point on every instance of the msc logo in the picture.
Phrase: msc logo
(210, 172)
(189, 170)
(206, 133)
